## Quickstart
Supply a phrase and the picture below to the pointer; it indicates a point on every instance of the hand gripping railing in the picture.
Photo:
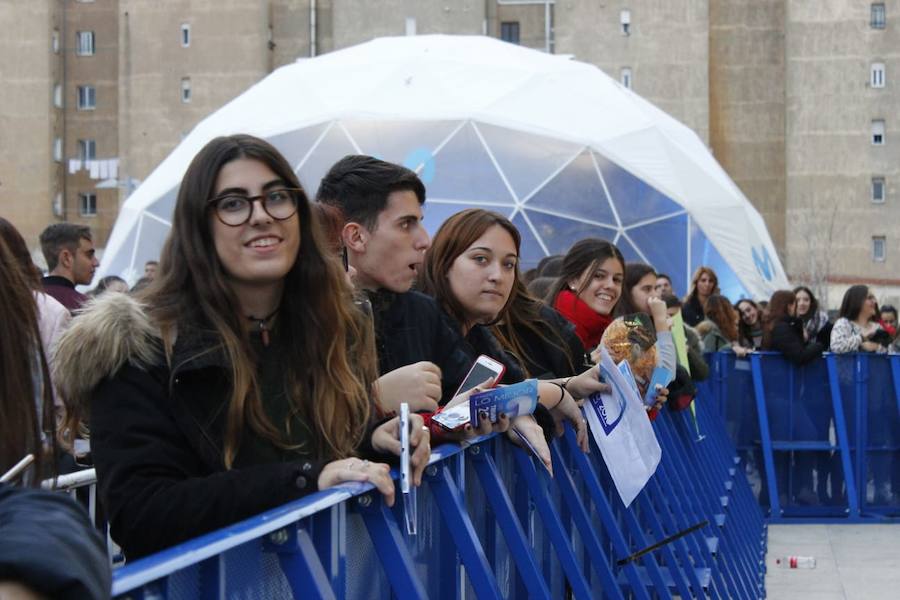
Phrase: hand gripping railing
(494, 524)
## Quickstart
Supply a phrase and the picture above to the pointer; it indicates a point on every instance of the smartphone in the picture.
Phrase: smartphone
(484, 368)
(407, 491)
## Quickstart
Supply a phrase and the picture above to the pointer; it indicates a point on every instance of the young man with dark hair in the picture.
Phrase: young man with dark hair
(150, 269)
(69, 251)
(663, 285)
(381, 206)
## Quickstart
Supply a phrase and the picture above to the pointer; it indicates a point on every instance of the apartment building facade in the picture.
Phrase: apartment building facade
(794, 97)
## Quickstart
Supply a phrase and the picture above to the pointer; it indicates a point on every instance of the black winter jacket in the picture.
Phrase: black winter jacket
(410, 328)
(787, 338)
(545, 360)
(157, 433)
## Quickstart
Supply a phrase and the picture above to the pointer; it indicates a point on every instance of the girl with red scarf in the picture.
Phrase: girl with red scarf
(589, 287)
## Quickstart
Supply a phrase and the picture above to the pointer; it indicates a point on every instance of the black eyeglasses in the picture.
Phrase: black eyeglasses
(235, 209)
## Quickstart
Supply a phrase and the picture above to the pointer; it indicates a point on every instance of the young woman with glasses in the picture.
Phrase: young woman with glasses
(241, 378)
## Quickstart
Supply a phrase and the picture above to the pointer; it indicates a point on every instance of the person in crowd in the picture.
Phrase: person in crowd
(53, 317)
(719, 329)
(855, 330)
(243, 377)
(151, 268)
(888, 320)
(750, 324)
(816, 326)
(380, 204)
(471, 270)
(587, 290)
(69, 251)
(48, 547)
(639, 296)
(783, 330)
(704, 284)
(696, 363)
(663, 285)
(110, 283)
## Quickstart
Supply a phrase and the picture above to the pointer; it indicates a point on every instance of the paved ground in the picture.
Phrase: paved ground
(853, 562)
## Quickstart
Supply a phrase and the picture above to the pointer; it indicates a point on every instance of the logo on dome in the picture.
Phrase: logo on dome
(763, 262)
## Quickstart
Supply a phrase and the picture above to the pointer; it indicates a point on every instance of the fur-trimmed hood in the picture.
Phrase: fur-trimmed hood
(706, 326)
(107, 333)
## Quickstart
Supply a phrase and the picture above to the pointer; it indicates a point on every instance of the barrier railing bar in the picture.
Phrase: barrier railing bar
(840, 426)
(552, 524)
(604, 511)
(502, 505)
(598, 558)
(459, 525)
(895, 372)
(389, 545)
(300, 563)
(766, 438)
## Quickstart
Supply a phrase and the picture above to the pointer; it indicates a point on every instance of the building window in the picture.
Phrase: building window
(57, 205)
(878, 248)
(878, 19)
(410, 26)
(87, 204)
(878, 132)
(57, 96)
(84, 43)
(87, 149)
(57, 149)
(625, 77)
(509, 32)
(185, 89)
(185, 35)
(54, 41)
(87, 97)
(625, 22)
(878, 190)
(876, 79)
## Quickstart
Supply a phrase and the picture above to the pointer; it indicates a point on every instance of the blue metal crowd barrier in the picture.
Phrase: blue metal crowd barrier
(493, 523)
(820, 441)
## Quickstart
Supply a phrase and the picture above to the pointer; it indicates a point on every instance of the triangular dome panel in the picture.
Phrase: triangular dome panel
(576, 192)
(464, 171)
(559, 233)
(633, 198)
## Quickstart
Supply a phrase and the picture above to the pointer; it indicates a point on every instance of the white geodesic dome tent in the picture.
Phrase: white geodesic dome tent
(555, 144)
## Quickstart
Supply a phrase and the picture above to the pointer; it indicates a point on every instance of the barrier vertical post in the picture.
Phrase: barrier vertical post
(840, 426)
(766, 439)
(300, 563)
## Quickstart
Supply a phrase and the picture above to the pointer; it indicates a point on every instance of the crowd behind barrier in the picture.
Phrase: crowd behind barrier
(820, 441)
(492, 521)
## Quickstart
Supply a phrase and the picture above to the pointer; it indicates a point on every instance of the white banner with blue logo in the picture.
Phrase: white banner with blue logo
(619, 424)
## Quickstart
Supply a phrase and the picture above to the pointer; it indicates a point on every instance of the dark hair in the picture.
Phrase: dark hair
(455, 235)
(671, 300)
(744, 331)
(151, 262)
(813, 303)
(634, 272)
(887, 308)
(585, 254)
(62, 236)
(664, 276)
(330, 343)
(778, 309)
(331, 222)
(22, 394)
(854, 299)
(539, 286)
(720, 312)
(550, 266)
(16, 245)
(359, 187)
(105, 282)
(523, 313)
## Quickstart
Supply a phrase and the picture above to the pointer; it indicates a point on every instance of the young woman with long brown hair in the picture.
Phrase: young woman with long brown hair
(704, 284)
(718, 330)
(241, 378)
(471, 269)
